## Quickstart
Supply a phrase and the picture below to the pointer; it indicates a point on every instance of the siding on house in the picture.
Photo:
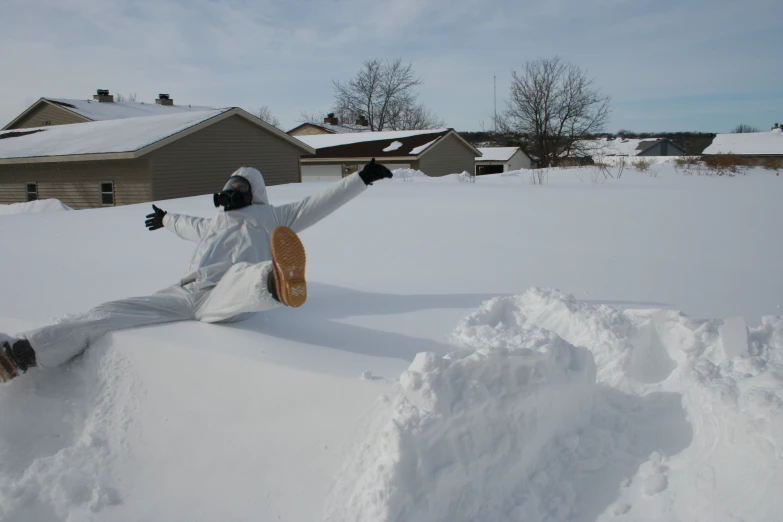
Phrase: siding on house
(202, 162)
(308, 130)
(448, 156)
(47, 112)
(81, 188)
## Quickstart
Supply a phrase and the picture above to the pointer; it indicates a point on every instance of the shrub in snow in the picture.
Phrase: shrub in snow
(772, 163)
(724, 164)
(641, 164)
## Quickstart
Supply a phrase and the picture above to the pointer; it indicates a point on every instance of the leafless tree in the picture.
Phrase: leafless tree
(743, 128)
(311, 117)
(265, 113)
(556, 106)
(383, 92)
(119, 97)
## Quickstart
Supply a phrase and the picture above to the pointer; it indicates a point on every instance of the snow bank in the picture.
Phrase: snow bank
(408, 174)
(462, 435)
(676, 419)
(33, 207)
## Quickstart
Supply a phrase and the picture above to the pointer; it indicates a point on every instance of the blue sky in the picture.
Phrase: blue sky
(668, 65)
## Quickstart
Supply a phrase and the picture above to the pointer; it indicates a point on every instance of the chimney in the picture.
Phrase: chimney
(362, 121)
(164, 99)
(331, 120)
(103, 96)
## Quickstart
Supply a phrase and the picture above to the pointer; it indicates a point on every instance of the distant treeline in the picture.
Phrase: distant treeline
(693, 142)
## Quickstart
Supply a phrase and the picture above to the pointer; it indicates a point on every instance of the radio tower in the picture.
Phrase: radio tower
(495, 102)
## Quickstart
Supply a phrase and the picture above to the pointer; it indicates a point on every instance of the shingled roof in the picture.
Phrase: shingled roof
(387, 144)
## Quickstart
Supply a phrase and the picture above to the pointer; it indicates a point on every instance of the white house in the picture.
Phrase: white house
(494, 160)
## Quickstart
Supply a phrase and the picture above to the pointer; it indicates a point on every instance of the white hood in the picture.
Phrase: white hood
(257, 184)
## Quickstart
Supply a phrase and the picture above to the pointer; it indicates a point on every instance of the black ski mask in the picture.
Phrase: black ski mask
(236, 194)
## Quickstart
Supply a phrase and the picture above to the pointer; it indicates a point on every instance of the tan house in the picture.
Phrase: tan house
(331, 125)
(139, 159)
(61, 111)
(436, 152)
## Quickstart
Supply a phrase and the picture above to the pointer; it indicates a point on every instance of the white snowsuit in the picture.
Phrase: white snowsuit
(227, 278)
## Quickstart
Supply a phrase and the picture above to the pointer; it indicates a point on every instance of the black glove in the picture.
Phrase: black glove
(373, 172)
(155, 220)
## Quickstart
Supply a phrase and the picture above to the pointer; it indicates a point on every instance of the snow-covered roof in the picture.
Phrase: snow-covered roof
(770, 142)
(617, 146)
(320, 141)
(99, 137)
(496, 153)
(100, 111)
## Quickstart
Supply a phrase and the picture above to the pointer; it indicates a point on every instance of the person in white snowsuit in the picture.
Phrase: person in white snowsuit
(247, 259)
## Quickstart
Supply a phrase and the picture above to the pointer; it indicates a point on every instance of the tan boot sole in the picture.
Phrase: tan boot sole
(7, 369)
(288, 263)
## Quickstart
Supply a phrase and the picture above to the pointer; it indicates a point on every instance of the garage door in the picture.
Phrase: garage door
(321, 173)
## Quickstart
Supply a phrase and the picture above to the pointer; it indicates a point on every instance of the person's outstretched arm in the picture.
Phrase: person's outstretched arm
(186, 227)
(312, 209)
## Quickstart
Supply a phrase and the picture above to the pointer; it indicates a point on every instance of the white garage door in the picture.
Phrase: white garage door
(321, 173)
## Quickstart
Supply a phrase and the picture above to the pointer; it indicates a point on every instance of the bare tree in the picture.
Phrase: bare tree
(555, 105)
(119, 97)
(383, 92)
(742, 128)
(311, 117)
(265, 113)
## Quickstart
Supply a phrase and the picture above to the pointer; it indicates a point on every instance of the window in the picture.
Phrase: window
(32, 191)
(107, 193)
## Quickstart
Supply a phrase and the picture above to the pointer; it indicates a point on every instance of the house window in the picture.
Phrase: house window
(32, 191)
(107, 193)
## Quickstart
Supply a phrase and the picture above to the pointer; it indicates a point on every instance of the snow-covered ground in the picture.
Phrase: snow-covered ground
(434, 373)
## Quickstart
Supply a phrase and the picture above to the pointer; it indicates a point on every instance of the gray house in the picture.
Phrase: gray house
(139, 159)
(435, 152)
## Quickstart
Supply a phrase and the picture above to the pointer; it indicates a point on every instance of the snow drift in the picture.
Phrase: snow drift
(675, 423)
(34, 207)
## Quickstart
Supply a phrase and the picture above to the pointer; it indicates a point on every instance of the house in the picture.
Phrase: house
(494, 160)
(629, 147)
(59, 111)
(749, 144)
(133, 160)
(435, 152)
(331, 125)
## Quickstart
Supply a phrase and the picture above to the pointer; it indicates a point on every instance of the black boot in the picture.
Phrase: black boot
(271, 286)
(16, 360)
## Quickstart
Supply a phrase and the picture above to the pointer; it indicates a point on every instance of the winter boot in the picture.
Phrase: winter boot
(288, 267)
(16, 359)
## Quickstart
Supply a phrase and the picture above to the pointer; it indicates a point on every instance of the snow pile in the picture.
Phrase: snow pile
(55, 462)
(683, 418)
(463, 433)
(408, 174)
(34, 207)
